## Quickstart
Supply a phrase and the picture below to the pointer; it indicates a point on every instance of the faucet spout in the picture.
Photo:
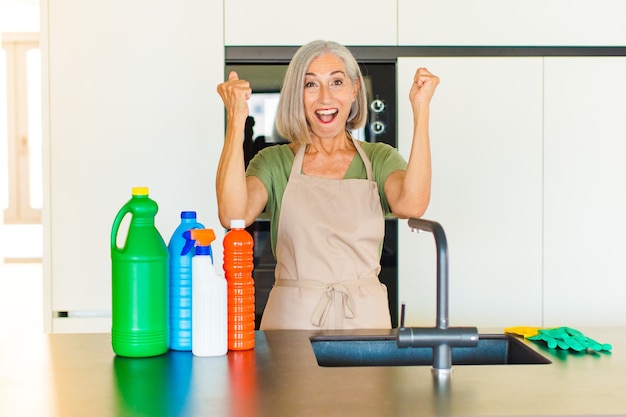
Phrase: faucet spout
(441, 244)
(441, 337)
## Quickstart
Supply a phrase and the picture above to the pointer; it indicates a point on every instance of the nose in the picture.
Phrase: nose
(325, 94)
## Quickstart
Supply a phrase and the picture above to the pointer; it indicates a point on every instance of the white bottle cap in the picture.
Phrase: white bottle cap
(237, 224)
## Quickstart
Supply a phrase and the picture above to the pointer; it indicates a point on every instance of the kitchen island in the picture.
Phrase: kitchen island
(79, 375)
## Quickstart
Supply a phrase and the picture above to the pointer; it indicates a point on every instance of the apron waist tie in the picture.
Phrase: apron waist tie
(335, 295)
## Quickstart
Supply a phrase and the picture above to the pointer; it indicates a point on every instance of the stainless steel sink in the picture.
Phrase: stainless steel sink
(382, 350)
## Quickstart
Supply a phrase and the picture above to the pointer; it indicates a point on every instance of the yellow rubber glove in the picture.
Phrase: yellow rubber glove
(525, 331)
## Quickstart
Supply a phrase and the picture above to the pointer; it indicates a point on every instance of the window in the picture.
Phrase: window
(20, 128)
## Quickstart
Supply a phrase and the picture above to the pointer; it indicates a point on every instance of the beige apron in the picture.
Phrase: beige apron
(327, 251)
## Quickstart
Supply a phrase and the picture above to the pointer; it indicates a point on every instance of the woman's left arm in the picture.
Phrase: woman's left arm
(408, 192)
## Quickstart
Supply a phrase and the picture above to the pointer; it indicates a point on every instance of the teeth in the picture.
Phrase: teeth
(326, 112)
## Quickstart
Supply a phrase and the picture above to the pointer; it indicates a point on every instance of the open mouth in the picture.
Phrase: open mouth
(326, 115)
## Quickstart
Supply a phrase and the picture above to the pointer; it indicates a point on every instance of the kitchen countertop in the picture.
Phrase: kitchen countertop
(79, 375)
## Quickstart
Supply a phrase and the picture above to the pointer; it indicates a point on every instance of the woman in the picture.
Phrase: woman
(326, 194)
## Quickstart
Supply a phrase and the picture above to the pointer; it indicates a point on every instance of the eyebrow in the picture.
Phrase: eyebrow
(332, 73)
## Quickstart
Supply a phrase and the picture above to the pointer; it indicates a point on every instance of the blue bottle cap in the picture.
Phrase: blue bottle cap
(187, 214)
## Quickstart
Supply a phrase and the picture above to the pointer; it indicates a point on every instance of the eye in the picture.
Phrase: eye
(310, 84)
(337, 82)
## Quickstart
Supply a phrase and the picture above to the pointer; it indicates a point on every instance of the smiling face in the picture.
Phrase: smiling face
(328, 96)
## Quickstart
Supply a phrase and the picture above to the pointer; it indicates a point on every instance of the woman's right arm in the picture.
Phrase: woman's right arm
(238, 197)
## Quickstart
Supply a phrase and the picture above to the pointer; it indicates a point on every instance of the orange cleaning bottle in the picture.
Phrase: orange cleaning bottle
(238, 266)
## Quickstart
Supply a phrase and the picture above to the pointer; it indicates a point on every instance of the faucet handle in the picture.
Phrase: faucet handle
(433, 337)
(402, 312)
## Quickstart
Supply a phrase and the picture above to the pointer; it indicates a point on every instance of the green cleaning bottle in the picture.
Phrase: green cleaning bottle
(139, 281)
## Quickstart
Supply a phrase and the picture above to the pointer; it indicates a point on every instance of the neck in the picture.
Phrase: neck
(341, 142)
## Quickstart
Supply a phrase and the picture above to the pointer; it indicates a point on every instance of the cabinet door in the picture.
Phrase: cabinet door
(486, 121)
(585, 192)
(288, 22)
(506, 23)
(130, 104)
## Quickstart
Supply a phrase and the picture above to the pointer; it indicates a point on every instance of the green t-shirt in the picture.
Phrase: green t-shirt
(272, 166)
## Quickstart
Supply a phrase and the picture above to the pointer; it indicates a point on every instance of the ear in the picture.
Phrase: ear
(357, 87)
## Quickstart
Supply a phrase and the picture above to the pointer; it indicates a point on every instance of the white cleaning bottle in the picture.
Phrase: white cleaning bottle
(209, 332)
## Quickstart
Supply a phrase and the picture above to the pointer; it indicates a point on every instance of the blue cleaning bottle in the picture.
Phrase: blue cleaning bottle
(180, 276)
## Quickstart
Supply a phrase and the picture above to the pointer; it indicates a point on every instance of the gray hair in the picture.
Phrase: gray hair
(290, 116)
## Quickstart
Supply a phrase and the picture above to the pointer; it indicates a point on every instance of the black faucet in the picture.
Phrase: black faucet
(441, 337)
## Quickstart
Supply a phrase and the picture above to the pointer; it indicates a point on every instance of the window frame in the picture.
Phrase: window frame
(20, 209)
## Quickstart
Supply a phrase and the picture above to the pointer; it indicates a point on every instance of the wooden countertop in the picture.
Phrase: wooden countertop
(79, 375)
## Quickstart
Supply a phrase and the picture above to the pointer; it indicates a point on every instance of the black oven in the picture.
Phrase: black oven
(265, 68)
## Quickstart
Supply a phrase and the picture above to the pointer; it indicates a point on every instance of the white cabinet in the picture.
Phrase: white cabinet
(528, 182)
(504, 23)
(584, 191)
(131, 102)
(289, 22)
(486, 138)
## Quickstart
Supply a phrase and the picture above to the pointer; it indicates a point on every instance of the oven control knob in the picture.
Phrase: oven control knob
(377, 105)
(377, 127)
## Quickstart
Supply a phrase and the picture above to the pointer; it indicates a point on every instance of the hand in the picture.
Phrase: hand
(568, 338)
(423, 88)
(235, 94)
